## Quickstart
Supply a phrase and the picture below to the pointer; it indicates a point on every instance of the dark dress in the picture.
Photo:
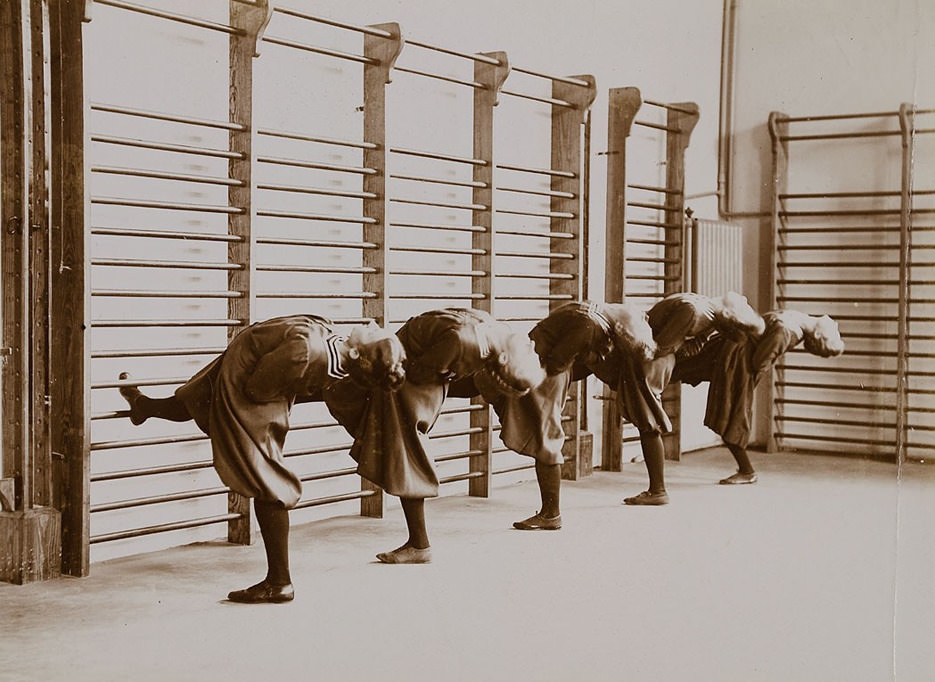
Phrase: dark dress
(675, 320)
(243, 398)
(733, 365)
(390, 428)
(570, 341)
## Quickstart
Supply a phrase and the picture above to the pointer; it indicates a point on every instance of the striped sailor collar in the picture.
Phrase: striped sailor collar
(483, 341)
(335, 366)
(595, 313)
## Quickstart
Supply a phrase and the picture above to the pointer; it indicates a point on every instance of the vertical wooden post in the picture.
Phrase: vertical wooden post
(492, 77)
(778, 131)
(381, 53)
(622, 105)
(252, 20)
(907, 130)
(14, 175)
(39, 266)
(567, 166)
(681, 121)
(30, 529)
(69, 381)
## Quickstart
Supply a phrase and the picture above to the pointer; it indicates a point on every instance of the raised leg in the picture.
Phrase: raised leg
(142, 407)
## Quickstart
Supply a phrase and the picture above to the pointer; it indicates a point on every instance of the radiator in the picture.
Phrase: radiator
(716, 257)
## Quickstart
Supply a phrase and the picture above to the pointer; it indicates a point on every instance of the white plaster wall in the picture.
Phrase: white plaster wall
(816, 58)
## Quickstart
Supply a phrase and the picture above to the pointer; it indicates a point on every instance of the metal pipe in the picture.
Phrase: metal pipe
(651, 188)
(426, 249)
(474, 57)
(454, 228)
(166, 293)
(288, 135)
(367, 30)
(298, 189)
(439, 181)
(657, 126)
(544, 100)
(538, 171)
(356, 495)
(298, 163)
(655, 223)
(558, 79)
(182, 265)
(325, 217)
(165, 147)
(126, 324)
(179, 18)
(550, 214)
(166, 206)
(164, 234)
(150, 471)
(435, 297)
(438, 204)
(320, 243)
(447, 79)
(348, 56)
(161, 175)
(362, 295)
(548, 235)
(553, 256)
(669, 107)
(163, 116)
(438, 157)
(163, 527)
(330, 269)
(540, 193)
(839, 136)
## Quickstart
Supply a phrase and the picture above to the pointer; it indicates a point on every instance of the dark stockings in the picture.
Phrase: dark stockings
(654, 457)
(740, 456)
(171, 408)
(273, 519)
(414, 510)
(550, 483)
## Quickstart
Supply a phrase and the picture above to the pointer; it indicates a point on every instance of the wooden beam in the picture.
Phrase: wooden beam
(622, 105)
(14, 207)
(383, 53)
(778, 131)
(69, 373)
(681, 121)
(567, 145)
(252, 20)
(492, 76)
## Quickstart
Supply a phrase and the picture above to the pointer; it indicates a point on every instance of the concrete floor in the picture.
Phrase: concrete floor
(824, 571)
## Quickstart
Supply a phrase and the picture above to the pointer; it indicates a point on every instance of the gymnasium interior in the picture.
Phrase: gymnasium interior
(172, 171)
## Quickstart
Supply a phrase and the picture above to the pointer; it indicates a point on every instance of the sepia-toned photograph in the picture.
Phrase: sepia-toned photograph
(487, 341)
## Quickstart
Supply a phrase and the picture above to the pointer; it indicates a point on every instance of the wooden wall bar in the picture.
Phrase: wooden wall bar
(622, 105)
(567, 168)
(491, 77)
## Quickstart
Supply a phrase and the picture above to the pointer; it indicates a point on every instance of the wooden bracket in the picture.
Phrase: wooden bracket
(385, 50)
(581, 97)
(253, 20)
(492, 76)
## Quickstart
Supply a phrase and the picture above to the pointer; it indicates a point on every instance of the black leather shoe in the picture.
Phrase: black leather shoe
(263, 593)
(648, 498)
(539, 522)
